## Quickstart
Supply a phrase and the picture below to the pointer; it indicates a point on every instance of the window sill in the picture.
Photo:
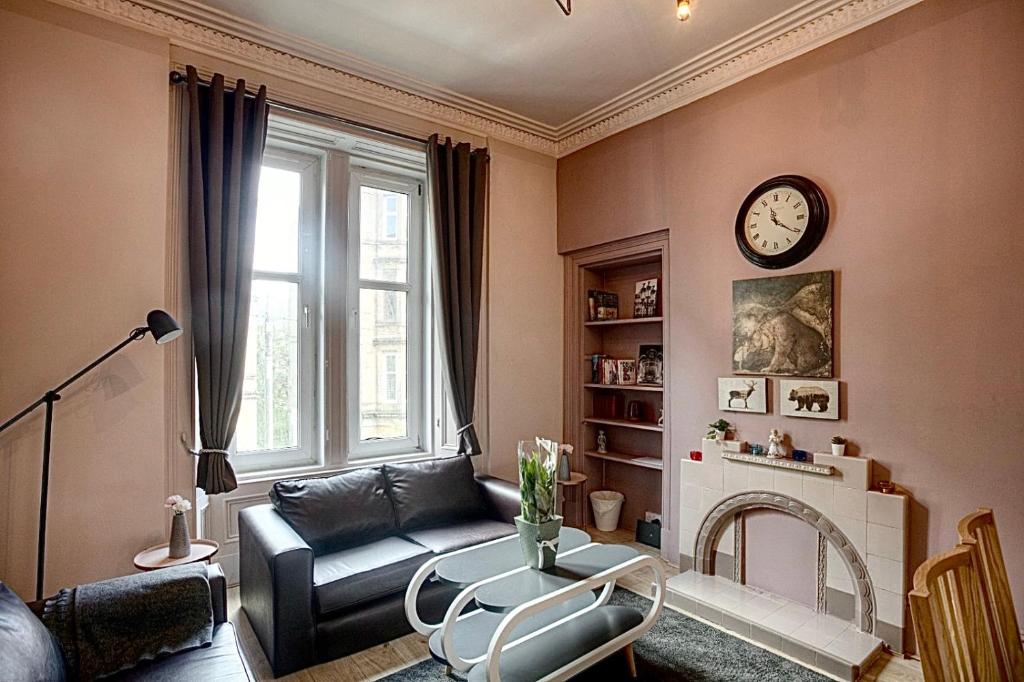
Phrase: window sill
(319, 470)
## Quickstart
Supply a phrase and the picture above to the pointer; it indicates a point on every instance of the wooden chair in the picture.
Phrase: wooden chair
(951, 621)
(978, 530)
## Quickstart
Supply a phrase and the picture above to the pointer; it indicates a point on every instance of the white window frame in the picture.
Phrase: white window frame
(417, 316)
(309, 450)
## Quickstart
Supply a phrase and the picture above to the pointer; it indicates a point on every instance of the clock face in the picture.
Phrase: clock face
(777, 220)
(781, 221)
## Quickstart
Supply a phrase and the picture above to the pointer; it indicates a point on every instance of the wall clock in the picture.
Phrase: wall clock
(781, 221)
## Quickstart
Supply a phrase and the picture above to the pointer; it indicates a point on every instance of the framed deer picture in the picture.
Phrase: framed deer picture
(743, 394)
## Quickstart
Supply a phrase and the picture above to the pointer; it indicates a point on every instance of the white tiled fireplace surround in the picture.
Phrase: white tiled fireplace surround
(845, 631)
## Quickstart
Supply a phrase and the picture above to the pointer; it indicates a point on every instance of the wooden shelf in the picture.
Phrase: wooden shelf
(632, 460)
(642, 426)
(622, 321)
(627, 387)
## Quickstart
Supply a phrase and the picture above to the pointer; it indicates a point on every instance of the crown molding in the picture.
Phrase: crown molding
(190, 24)
(781, 39)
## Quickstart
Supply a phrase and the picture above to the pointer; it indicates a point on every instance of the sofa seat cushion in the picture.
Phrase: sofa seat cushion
(453, 536)
(221, 660)
(339, 511)
(433, 492)
(364, 573)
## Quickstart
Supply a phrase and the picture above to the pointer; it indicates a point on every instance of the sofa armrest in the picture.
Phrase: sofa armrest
(501, 497)
(218, 593)
(276, 568)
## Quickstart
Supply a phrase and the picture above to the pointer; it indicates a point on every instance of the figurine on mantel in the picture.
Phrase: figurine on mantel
(602, 442)
(775, 447)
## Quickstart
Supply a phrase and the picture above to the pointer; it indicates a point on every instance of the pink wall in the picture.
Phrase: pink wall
(83, 216)
(915, 129)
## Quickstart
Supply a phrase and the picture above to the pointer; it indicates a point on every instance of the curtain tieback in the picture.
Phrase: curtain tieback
(465, 428)
(203, 451)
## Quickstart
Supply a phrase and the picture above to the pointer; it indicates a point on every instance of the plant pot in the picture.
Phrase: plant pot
(539, 541)
(180, 545)
(719, 435)
(839, 450)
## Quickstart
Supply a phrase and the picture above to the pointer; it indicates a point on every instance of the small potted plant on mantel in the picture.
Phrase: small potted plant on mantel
(538, 525)
(838, 446)
(718, 429)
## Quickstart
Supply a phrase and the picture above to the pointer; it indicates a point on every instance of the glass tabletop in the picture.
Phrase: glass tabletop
(509, 592)
(492, 559)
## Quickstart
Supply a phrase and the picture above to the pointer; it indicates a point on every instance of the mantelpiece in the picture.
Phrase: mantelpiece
(782, 463)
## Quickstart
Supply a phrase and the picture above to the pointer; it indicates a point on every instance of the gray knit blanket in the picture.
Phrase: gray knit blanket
(112, 625)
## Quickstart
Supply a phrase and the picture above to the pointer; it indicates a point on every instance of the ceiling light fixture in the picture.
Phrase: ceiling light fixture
(682, 9)
(566, 7)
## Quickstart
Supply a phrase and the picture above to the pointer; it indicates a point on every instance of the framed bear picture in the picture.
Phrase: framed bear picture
(809, 398)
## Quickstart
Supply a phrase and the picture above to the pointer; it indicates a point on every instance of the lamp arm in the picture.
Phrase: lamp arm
(136, 335)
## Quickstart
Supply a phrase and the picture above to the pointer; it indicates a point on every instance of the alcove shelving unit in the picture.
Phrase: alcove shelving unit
(637, 456)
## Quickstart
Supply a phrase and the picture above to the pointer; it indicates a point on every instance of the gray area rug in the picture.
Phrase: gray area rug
(676, 648)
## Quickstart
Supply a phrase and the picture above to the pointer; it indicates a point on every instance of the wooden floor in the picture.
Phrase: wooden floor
(381, 661)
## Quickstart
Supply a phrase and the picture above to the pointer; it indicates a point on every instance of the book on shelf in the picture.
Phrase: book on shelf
(602, 305)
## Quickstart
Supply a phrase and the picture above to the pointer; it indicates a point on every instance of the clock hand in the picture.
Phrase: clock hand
(785, 226)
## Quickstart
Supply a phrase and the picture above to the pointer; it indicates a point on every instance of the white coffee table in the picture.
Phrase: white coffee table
(515, 630)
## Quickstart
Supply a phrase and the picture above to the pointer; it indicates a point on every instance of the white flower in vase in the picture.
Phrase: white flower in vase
(178, 504)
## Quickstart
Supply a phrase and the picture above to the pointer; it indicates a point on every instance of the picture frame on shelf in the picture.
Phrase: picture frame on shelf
(645, 298)
(602, 305)
(650, 364)
(809, 398)
(743, 394)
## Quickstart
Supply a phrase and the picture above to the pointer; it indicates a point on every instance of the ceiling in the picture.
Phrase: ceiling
(523, 58)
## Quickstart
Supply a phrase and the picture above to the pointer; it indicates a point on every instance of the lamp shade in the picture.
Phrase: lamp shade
(163, 327)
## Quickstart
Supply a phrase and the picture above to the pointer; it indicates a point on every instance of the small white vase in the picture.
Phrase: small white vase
(839, 450)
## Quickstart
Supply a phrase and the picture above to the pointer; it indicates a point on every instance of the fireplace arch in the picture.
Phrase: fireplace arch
(718, 518)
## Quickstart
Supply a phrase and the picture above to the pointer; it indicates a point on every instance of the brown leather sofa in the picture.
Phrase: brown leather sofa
(324, 568)
(29, 652)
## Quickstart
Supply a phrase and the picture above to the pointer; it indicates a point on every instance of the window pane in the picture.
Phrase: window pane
(383, 398)
(383, 235)
(270, 397)
(277, 221)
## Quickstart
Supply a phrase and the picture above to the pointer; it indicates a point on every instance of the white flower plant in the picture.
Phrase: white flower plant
(178, 504)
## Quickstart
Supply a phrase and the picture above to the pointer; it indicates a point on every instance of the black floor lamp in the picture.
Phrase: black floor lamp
(164, 329)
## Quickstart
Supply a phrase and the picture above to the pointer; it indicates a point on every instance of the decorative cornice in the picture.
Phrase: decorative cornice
(723, 67)
(189, 24)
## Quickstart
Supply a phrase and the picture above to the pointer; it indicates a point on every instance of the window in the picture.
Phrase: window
(277, 425)
(387, 371)
(339, 362)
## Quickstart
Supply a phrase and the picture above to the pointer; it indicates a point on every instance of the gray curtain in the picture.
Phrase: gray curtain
(457, 177)
(227, 132)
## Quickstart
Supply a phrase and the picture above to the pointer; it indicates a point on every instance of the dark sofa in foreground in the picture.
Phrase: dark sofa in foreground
(29, 652)
(325, 567)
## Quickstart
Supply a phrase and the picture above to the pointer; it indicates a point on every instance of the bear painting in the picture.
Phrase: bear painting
(809, 398)
(783, 325)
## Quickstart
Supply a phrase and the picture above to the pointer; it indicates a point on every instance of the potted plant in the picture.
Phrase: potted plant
(718, 429)
(538, 524)
(838, 446)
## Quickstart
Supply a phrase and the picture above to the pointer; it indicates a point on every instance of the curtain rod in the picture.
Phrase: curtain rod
(178, 78)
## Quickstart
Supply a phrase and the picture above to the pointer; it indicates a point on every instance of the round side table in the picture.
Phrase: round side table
(152, 558)
(579, 482)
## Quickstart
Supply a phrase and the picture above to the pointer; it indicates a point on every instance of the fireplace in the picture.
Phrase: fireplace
(845, 546)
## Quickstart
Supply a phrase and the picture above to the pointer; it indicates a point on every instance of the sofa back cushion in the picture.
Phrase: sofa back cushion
(27, 649)
(337, 512)
(434, 492)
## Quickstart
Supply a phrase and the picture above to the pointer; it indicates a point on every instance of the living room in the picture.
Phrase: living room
(533, 340)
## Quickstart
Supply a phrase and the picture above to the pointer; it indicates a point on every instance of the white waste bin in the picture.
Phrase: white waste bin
(607, 504)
